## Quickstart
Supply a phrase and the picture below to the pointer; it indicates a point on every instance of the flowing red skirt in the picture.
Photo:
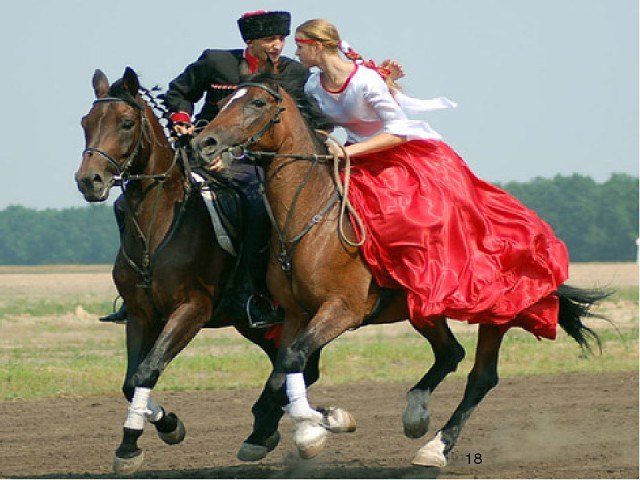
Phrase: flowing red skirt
(459, 246)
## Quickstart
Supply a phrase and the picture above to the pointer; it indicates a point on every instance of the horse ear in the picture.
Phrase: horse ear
(131, 82)
(100, 84)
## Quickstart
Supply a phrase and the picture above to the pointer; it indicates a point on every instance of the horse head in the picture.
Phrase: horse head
(250, 118)
(114, 132)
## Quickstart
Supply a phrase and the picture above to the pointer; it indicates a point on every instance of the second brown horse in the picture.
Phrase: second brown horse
(170, 269)
(321, 280)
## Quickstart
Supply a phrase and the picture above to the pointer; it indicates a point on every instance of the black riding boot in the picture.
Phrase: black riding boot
(251, 298)
(116, 317)
(121, 315)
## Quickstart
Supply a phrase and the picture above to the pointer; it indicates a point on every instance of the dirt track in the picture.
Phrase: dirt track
(568, 426)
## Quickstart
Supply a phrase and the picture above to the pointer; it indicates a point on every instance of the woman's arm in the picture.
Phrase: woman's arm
(376, 143)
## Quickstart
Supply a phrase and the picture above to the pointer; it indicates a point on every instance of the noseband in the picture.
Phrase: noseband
(123, 167)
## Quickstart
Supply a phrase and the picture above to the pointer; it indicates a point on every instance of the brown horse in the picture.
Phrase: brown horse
(323, 282)
(170, 269)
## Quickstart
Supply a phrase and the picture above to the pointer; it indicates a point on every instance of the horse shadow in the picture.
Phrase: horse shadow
(292, 470)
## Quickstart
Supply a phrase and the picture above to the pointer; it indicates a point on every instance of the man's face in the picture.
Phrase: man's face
(267, 46)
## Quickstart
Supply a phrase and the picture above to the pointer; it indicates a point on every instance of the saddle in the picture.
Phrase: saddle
(225, 208)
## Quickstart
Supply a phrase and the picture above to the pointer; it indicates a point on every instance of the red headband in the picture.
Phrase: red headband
(305, 41)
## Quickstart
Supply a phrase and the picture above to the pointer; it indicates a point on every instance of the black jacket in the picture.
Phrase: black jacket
(222, 67)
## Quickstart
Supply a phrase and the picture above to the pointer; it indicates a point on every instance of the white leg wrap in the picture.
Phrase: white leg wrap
(298, 407)
(155, 411)
(138, 409)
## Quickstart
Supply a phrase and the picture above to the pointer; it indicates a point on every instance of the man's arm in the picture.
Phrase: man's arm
(189, 87)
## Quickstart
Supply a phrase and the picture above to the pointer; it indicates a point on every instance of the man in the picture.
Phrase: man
(214, 75)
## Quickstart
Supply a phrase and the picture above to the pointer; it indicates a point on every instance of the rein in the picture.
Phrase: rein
(289, 245)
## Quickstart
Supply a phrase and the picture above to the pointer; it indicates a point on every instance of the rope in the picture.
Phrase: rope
(343, 190)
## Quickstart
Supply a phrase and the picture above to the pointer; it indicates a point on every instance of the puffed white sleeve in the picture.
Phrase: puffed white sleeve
(377, 95)
(393, 117)
(413, 106)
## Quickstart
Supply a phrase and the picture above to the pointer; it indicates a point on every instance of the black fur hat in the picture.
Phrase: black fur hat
(264, 24)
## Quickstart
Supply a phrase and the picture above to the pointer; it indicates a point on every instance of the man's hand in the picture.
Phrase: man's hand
(181, 128)
(395, 69)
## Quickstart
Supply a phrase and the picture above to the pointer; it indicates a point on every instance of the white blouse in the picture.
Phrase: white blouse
(366, 108)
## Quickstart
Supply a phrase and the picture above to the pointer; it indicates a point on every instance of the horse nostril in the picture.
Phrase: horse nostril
(97, 178)
(208, 143)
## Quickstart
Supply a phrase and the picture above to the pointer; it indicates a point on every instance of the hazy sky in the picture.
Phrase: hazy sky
(544, 88)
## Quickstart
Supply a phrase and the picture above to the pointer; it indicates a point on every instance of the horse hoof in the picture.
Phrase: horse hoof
(175, 437)
(273, 441)
(127, 466)
(252, 453)
(337, 420)
(415, 418)
(309, 439)
(432, 454)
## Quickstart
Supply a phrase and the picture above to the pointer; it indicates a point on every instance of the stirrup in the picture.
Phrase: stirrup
(260, 323)
(118, 316)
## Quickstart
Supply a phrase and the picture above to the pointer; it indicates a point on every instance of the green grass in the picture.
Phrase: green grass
(98, 305)
(46, 307)
(96, 365)
(51, 348)
(625, 294)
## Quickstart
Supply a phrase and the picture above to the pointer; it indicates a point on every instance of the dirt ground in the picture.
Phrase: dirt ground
(567, 426)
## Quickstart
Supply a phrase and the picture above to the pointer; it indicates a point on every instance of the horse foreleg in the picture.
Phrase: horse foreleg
(482, 378)
(183, 324)
(140, 339)
(267, 410)
(332, 319)
(169, 427)
(448, 354)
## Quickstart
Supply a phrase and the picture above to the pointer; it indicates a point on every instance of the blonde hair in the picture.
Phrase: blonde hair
(327, 34)
(321, 31)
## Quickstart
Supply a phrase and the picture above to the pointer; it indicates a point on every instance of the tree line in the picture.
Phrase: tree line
(597, 221)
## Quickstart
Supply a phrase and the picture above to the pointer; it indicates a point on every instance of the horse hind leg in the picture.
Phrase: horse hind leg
(448, 354)
(482, 378)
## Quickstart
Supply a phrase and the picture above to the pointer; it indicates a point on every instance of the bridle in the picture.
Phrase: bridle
(122, 168)
(241, 151)
(122, 177)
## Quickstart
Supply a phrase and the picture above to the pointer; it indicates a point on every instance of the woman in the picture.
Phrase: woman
(458, 245)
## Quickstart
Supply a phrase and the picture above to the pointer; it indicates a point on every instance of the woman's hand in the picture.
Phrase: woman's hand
(335, 149)
(396, 70)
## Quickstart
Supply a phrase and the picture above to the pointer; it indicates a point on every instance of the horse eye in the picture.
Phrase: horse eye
(258, 102)
(128, 124)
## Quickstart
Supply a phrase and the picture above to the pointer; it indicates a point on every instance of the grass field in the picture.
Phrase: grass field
(51, 344)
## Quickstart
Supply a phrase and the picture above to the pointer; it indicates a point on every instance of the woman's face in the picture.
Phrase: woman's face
(307, 50)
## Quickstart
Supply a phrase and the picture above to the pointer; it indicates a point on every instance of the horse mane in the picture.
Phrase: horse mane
(309, 111)
(151, 96)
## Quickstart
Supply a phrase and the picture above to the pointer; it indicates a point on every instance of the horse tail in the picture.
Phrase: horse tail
(575, 304)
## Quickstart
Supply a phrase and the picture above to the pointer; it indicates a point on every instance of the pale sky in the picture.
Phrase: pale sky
(544, 88)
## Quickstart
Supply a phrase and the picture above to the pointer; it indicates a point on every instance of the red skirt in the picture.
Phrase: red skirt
(459, 246)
